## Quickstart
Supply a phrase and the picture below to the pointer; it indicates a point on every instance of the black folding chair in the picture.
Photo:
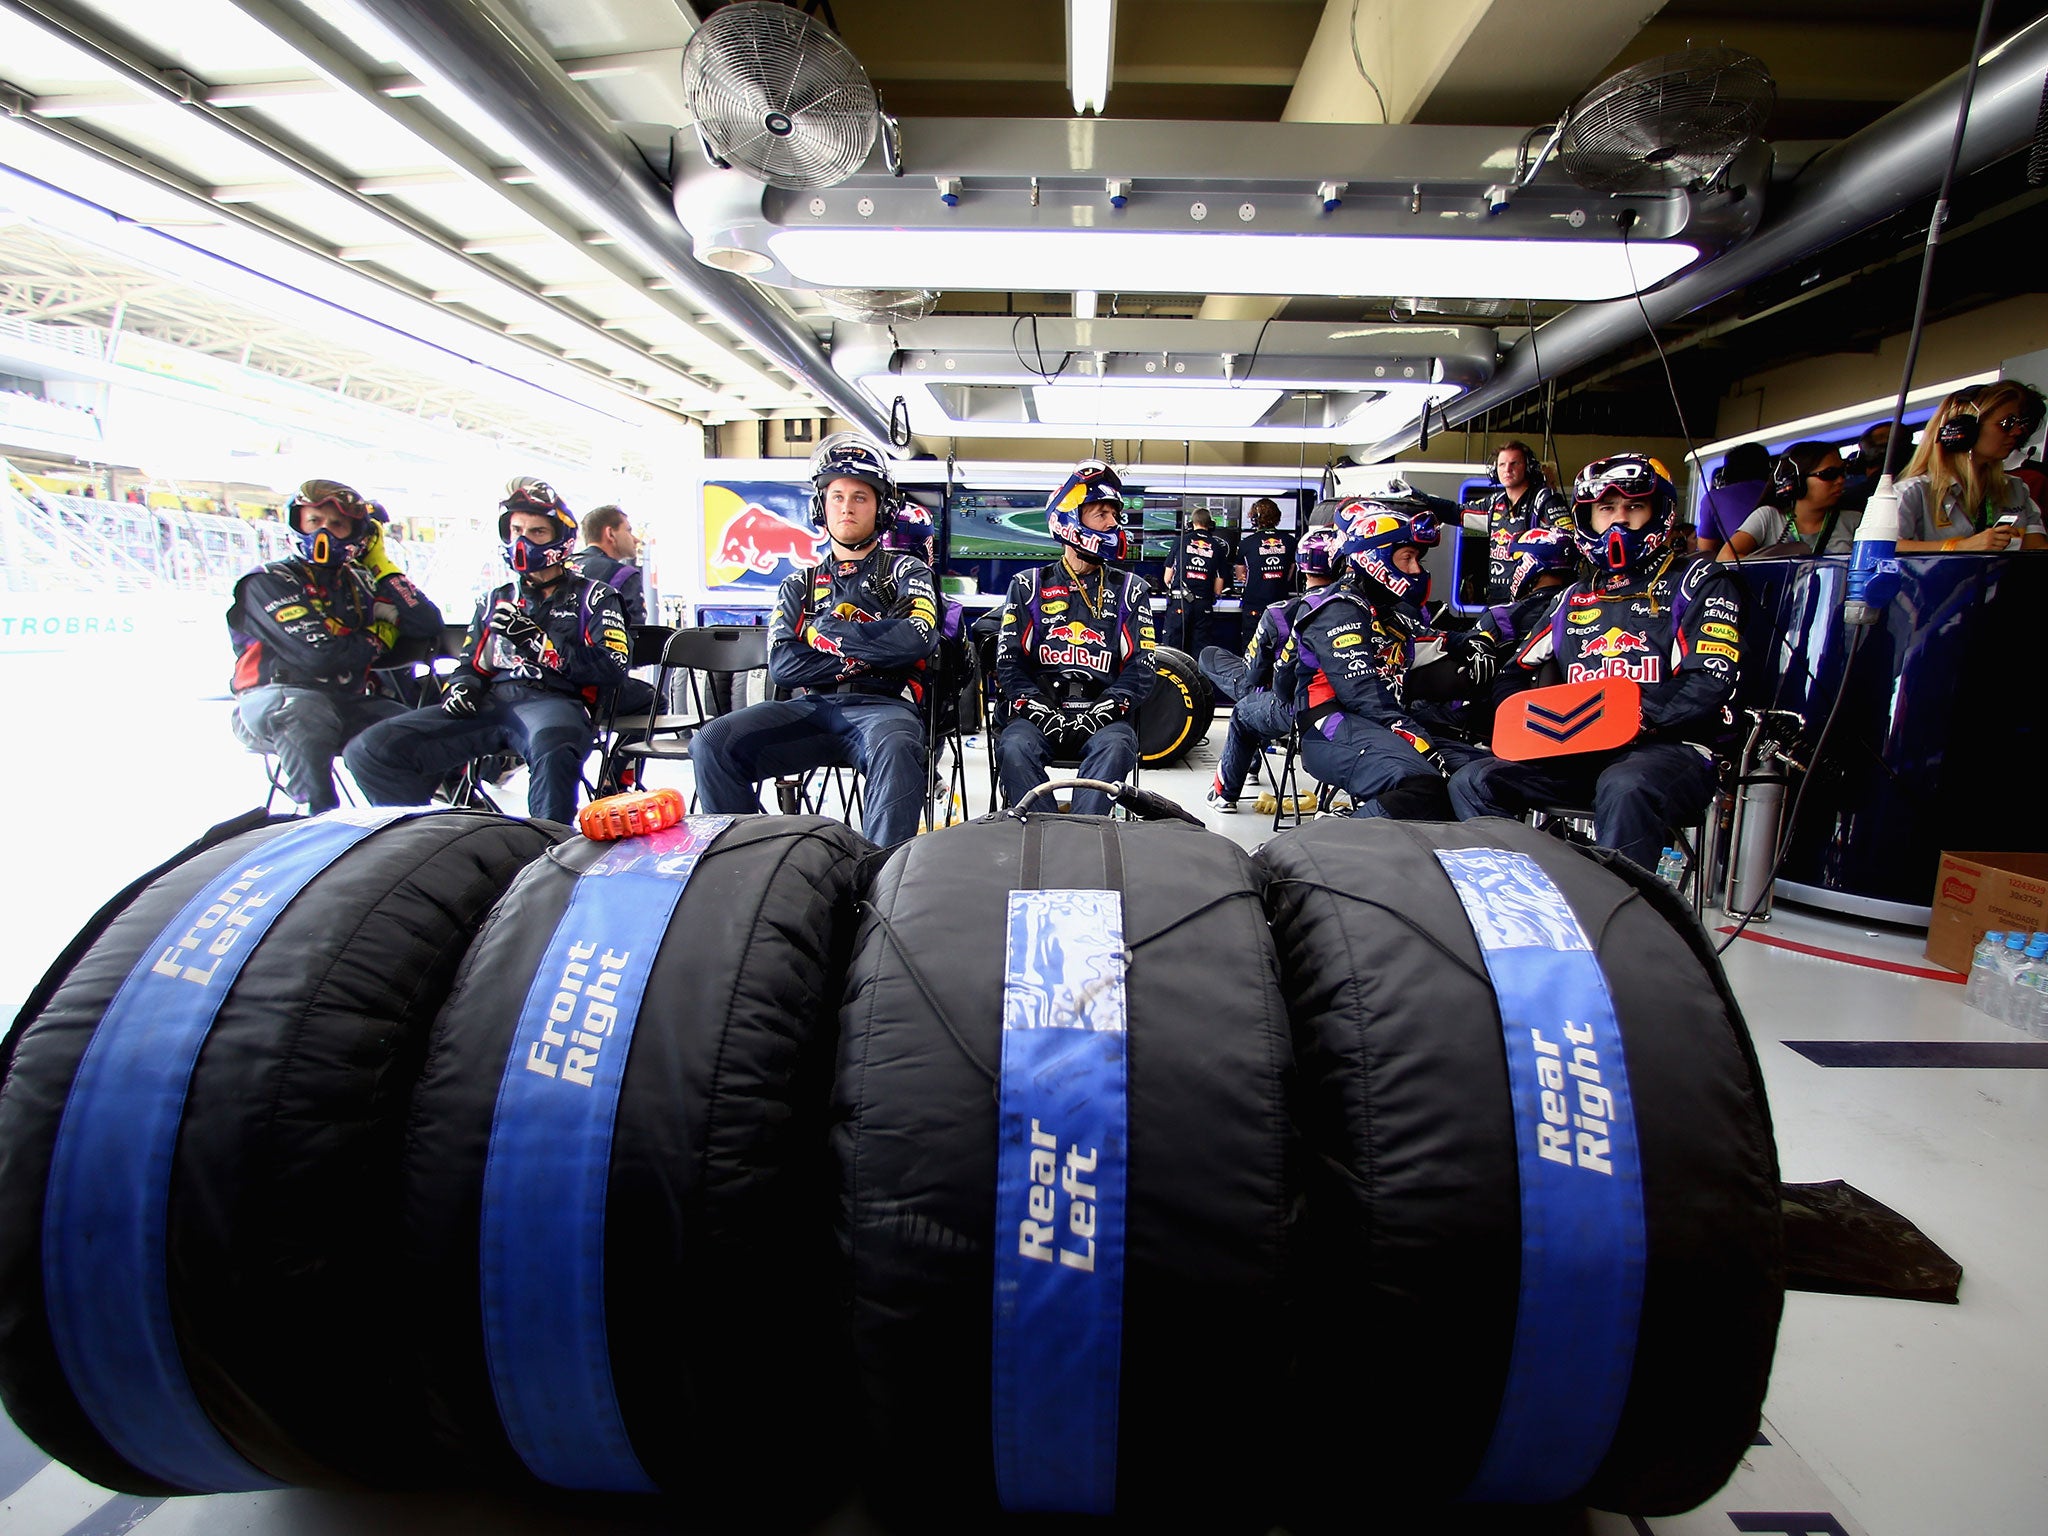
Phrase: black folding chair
(718, 650)
(649, 645)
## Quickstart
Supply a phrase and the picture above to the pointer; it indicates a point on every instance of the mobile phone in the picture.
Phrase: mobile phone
(2010, 520)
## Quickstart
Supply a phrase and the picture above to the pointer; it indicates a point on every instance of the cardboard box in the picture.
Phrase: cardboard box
(1977, 892)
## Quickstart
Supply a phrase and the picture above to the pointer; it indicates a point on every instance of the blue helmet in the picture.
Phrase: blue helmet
(1316, 554)
(1370, 533)
(1092, 483)
(1621, 548)
(849, 456)
(912, 530)
(523, 493)
(321, 548)
(1534, 551)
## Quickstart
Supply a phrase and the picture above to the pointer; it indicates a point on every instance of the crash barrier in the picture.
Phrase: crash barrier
(1063, 1149)
(1541, 1192)
(199, 1150)
(616, 1195)
(1114, 1235)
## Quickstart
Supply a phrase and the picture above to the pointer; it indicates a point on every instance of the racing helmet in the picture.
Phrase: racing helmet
(1622, 548)
(1316, 554)
(321, 548)
(1371, 530)
(1534, 551)
(912, 530)
(849, 456)
(524, 493)
(1092, 482)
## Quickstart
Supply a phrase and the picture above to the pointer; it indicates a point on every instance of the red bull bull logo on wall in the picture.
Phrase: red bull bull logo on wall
(756, 533)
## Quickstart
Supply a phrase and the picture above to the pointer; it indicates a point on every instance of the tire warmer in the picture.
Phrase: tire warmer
(541, 1255)
(1583, 1243)
(1061, 1160)
(105, 1269)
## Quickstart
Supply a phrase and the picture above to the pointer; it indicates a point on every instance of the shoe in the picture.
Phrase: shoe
(1218, 801)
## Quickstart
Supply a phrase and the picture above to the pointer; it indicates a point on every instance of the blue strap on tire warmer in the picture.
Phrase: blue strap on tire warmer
(106, 1279)
(1060, 1206)
(541, 1253)
(1580, 1168)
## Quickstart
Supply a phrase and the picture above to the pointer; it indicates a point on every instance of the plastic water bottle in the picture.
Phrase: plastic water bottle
(1999, 1003)
(1984, 970)
(2029, 1005)
(1671, 868)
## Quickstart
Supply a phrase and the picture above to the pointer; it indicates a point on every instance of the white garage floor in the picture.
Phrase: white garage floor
(1889, 1418)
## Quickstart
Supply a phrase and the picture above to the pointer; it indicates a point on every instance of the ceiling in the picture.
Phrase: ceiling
(295, 137)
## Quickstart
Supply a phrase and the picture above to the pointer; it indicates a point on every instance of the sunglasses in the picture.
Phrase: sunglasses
(1833, 474)
(2024, 424)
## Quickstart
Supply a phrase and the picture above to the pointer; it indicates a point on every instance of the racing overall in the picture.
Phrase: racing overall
(1267, 555)
(1196, 576)
(1351, 658)
(1072, 642)
(623, 577)
(1505, 520)
(305, 642)
(851, 640)
(1673, 631)
(1260, 713)
(536, 696)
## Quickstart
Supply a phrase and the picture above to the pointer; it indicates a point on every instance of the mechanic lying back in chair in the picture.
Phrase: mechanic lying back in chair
(1074, 659)
(852, 639)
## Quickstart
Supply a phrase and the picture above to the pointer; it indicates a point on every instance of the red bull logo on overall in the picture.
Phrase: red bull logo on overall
(1074, 644)
(1610, 651)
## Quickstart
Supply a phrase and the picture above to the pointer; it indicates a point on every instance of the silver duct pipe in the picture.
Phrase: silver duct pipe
(463, 51)
(1863, 180)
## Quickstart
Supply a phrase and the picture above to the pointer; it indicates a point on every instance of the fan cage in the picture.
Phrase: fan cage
(776, 95)
(1673, 121)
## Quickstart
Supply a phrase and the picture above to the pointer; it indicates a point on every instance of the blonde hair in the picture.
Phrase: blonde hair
(1983, 485)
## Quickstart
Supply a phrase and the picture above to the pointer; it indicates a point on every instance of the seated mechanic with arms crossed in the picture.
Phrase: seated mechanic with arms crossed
(851, 639)
(307, 632)
(1074, 655)
(541, 653)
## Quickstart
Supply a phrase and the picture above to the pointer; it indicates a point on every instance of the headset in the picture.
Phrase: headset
(1961, 430)
(1788, 479)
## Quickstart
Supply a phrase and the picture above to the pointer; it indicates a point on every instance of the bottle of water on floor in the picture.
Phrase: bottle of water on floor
(2028, 1003)
(1984, 972)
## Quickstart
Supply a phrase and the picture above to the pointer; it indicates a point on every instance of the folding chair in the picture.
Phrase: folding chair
(649, 644)
(718, 650)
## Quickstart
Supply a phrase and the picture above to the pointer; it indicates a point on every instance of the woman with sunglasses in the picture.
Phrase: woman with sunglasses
(1804, 507)
(1956, 497)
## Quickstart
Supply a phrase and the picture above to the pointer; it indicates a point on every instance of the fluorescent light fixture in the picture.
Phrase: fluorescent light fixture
(1091, 44)
(1049, 260)
(1159, 407)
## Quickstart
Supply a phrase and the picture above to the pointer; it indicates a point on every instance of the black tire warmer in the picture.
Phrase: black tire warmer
(1065, 1198)
(618, 1190)
(1543, 1257)
(199, 1151)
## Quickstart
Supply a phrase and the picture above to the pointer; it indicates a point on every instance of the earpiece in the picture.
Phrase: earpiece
(1787, 478)
(1960, 431)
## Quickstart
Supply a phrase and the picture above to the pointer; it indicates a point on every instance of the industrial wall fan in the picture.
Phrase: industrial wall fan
(1673, 121)
(880, 306)
(777, 95)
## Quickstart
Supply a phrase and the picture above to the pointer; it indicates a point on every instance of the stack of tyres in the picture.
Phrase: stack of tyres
(618, 1193)
(1541, 1241)
(199, 1152)
(1063, 1149)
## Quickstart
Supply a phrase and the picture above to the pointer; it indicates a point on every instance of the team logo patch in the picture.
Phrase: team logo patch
(1616, 642)
(296, 611)
(1715, 648)
(1052, 608)
(1584, 616)
(1345, 642)
(1720, 632)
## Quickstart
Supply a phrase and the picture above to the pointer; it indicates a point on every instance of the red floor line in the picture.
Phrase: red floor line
(1924, 972)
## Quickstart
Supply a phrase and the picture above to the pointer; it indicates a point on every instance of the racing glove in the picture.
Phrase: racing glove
(1049, 721)
(516, 628)
(1107, 710)
(1482, 659)
(376, 557)
(464, 696)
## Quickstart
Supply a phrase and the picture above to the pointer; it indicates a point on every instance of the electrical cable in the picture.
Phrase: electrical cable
(1256, 345)
(1855, 633)
(1359, 59)
(1037, 351)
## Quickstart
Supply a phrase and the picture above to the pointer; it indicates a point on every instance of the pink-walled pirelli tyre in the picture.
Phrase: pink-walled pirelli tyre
(1542, 1256)
(1063, 1149)
(199, 1152)
(618, 1193)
